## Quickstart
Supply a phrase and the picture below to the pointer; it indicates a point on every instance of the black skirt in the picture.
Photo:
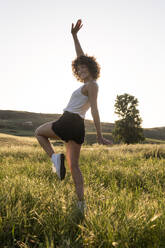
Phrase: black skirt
(70, 126)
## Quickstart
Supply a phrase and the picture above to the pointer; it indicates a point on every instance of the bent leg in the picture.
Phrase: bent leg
(43, 133)
(72, 155)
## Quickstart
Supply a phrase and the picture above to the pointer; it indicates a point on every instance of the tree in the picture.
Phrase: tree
(128, 128)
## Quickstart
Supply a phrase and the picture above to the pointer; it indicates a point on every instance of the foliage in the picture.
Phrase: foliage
(127, 128)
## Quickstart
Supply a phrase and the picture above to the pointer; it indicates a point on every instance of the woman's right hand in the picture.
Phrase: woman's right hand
(102, 141)
(74, 30)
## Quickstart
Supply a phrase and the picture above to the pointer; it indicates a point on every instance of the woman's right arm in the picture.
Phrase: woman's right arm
(74, 32)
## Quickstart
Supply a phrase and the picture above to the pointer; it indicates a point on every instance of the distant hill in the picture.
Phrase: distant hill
(23, 123)
(155, 133)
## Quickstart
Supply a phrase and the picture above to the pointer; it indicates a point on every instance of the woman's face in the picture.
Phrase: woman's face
(83, 72)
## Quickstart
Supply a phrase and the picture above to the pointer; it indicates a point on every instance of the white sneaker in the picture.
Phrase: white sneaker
(58, 165)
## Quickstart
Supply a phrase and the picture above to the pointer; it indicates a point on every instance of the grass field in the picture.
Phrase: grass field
(124, 191)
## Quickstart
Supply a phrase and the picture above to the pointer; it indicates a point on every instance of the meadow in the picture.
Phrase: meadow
(124, 191)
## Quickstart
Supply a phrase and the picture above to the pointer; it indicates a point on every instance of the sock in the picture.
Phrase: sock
(55, 160)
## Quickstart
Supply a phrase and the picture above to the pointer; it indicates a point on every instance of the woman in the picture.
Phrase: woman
(70, 126)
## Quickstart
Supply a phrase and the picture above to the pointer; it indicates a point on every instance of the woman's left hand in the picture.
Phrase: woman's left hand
(102, 141)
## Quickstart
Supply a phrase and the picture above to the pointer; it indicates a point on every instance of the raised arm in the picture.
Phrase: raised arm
(74, 31)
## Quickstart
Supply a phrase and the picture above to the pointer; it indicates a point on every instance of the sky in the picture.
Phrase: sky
(126, 37)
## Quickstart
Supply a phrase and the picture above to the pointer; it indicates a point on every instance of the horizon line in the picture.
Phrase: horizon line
(61, 113)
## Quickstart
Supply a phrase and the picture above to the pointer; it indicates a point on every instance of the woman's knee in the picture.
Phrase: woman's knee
(37, 132)
(46, 131)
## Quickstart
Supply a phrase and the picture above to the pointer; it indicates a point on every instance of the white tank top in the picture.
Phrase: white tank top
(78, 103)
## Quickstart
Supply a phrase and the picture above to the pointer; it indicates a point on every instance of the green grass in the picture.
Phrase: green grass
(124, 191)
(90, 137)
(154, 141)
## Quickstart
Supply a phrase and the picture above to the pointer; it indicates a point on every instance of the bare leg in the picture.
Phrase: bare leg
(72, 154)
(43, 133)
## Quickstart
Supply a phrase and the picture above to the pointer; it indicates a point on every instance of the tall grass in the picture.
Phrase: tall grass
(124, 191)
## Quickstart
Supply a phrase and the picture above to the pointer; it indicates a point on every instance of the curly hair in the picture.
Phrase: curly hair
(90, 62)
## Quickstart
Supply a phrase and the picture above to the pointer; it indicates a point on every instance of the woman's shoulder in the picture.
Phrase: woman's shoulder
(93, 83)
(92, 86)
